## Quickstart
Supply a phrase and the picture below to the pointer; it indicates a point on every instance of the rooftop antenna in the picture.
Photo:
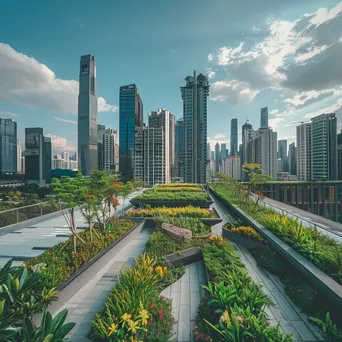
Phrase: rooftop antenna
(246, 118)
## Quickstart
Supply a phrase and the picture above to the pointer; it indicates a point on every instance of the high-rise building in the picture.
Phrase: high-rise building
(264, 117)
(217, 157)
(149, 156)
(165, 120)
(282, 154)
(19, 166)
(262, 149)
(100, 133)
(8, 146)
(179, 150)
(110, 141)
(339, 152)
(233, 137)
(87, 116)
(34, 147)
(47, 159)
(247, 129)
(131, 118)
(194, 95)
(224, 151)
(234, 167)
(304, 152)
(66, 158)
(292, 159)
(324, 147)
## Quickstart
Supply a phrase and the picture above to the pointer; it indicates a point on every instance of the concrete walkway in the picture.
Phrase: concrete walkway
(186, 293)
(84, 304)
(291, 318)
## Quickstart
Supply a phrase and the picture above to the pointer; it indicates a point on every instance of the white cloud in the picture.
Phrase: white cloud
(27, 82)
(274, 111)
(255, 29)
(234, 92)
(219, 136)
(103, 106)
(173, 51)
(65, 120)
(312, 52)
(8, 113)
(213, 141)
(60, 144)
(210, 57)
(329, 109)
(323, 15)
(274, 123)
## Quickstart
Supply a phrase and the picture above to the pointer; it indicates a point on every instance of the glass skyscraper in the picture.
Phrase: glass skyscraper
(233, 137)
(282, 154)
(8, 146)
(101, 129)
(264, 117)
(131, 116)
(194, 95)
(87, 116)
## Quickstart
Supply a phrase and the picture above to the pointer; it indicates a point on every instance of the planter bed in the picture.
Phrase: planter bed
(171, 204)
(185, 257)
(241, 240)
(321, 280)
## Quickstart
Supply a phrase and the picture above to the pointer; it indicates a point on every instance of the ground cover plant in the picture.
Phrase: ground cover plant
(178, 187)
(188, 211)
(152, 195)
(247, 232)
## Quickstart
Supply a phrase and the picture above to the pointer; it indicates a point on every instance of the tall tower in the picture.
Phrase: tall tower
(110, 139)
(324, 147)
(217, 157)
(101, 130)
(304, 152)
(131, 118)
(233, 137)
(194, 95)
(264, 117)
(292, 159)
(339, 156)
(282, 154)
(87, 116)
(8, 146)
(180, 150)
(34, 147)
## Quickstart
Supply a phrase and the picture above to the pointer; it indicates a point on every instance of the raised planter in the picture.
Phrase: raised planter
(240, 239)
(317, 277)
(186, 257)
(171, 204)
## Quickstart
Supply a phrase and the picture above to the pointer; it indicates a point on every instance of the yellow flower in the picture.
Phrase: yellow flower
(133, 326)
(112, 329)
(159, 270)
(144, 316)
(125, 318)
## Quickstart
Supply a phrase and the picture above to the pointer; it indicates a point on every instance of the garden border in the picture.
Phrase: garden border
(321, 280)
(240, 239)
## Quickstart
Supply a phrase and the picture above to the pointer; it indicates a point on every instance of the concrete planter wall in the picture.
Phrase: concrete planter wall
(188, 256)
(171, 204)
(240, 239)
(317, 277)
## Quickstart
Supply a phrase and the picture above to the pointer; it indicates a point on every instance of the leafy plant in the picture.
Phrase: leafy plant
(248, 232)
(330, 330)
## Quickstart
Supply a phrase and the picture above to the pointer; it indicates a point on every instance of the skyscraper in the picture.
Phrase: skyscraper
(110, 140)
(246, 134)
(217, 157)
(339, 152)
(87, 116)
(264, 117)
(131, 118)
(34, 145)
(324, 147)
(100, 133)
(194, 95)
(282, 154)
(304, 152)
(19, 166)
(165, 120)
(233, 137)
(8, 146)
(180, 149)
(47, 159)
(292, 159)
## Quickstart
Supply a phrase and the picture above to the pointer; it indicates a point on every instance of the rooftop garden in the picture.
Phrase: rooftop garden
(153, 195)
(178, 187)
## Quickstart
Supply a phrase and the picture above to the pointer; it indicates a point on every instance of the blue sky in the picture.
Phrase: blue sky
(281, 54)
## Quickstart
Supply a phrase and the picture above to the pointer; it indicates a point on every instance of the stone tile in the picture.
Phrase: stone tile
(175, 297)
(174, 337)
(194, 283)
(185, 293)
(193, 268)
(194, 301)
(184, 327)
(186, 277)
(286, 306)
(303, 331)
(175, 287)
(289, 328)
(166, 292)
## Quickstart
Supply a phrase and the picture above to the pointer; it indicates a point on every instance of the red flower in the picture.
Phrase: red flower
(207, 338)
(152, 306)
(160, 317)
(160, 311)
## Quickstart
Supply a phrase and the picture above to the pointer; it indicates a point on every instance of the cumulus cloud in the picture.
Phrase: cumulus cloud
(65, 120)
(212, 142)
(27, 82)
(219, 136)
(61, 144)
(274, 111)
(302, 56)
(334, 108)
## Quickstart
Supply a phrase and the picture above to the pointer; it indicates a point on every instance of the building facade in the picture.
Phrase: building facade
(179, 150)
(264, 117)
(234, 137)
(304, 152)
(217, 157)
(247, 130)
(194, 96)
(34, 147)
(131, 118)
(292, 159)
(101, 129)
(339, 154)
(110, 150)
(8, 146)
(234, 167)
(87, 116)
(282, 155)
(324, 163)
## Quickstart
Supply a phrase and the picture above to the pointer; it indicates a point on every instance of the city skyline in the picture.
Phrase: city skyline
(233, 96)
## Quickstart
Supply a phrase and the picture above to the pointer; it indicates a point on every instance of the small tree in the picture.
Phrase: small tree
(125, 192)
(112, 193)
(138, 184)
(72, 193)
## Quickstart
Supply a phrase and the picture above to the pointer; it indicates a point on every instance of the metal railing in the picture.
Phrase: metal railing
(20, 214)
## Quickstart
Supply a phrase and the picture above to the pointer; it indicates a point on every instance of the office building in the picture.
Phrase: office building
(262, 149)
(217, 157)
(66, 158)
(47, 159)
(304, 152)
(87, 116)
(34, 147)
(179, 150)
(234, 167)
(247, 129)
(23, 162)
(264, 117)
(233, 137)
(131, 118)
(166, 120)
(8, 146)
(100, 133)
(194, 96)
(19, 167)
(339, 154)
(282, 155)
(324, 147)
(292, 159)
(149, 156)
(110, 150)
(224, 151)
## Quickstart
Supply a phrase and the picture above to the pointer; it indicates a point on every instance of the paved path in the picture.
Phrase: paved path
(291, 318)
(185, 294)
(89, 300)
(33, 239)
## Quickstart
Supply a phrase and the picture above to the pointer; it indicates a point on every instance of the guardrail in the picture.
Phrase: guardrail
(20, 214)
